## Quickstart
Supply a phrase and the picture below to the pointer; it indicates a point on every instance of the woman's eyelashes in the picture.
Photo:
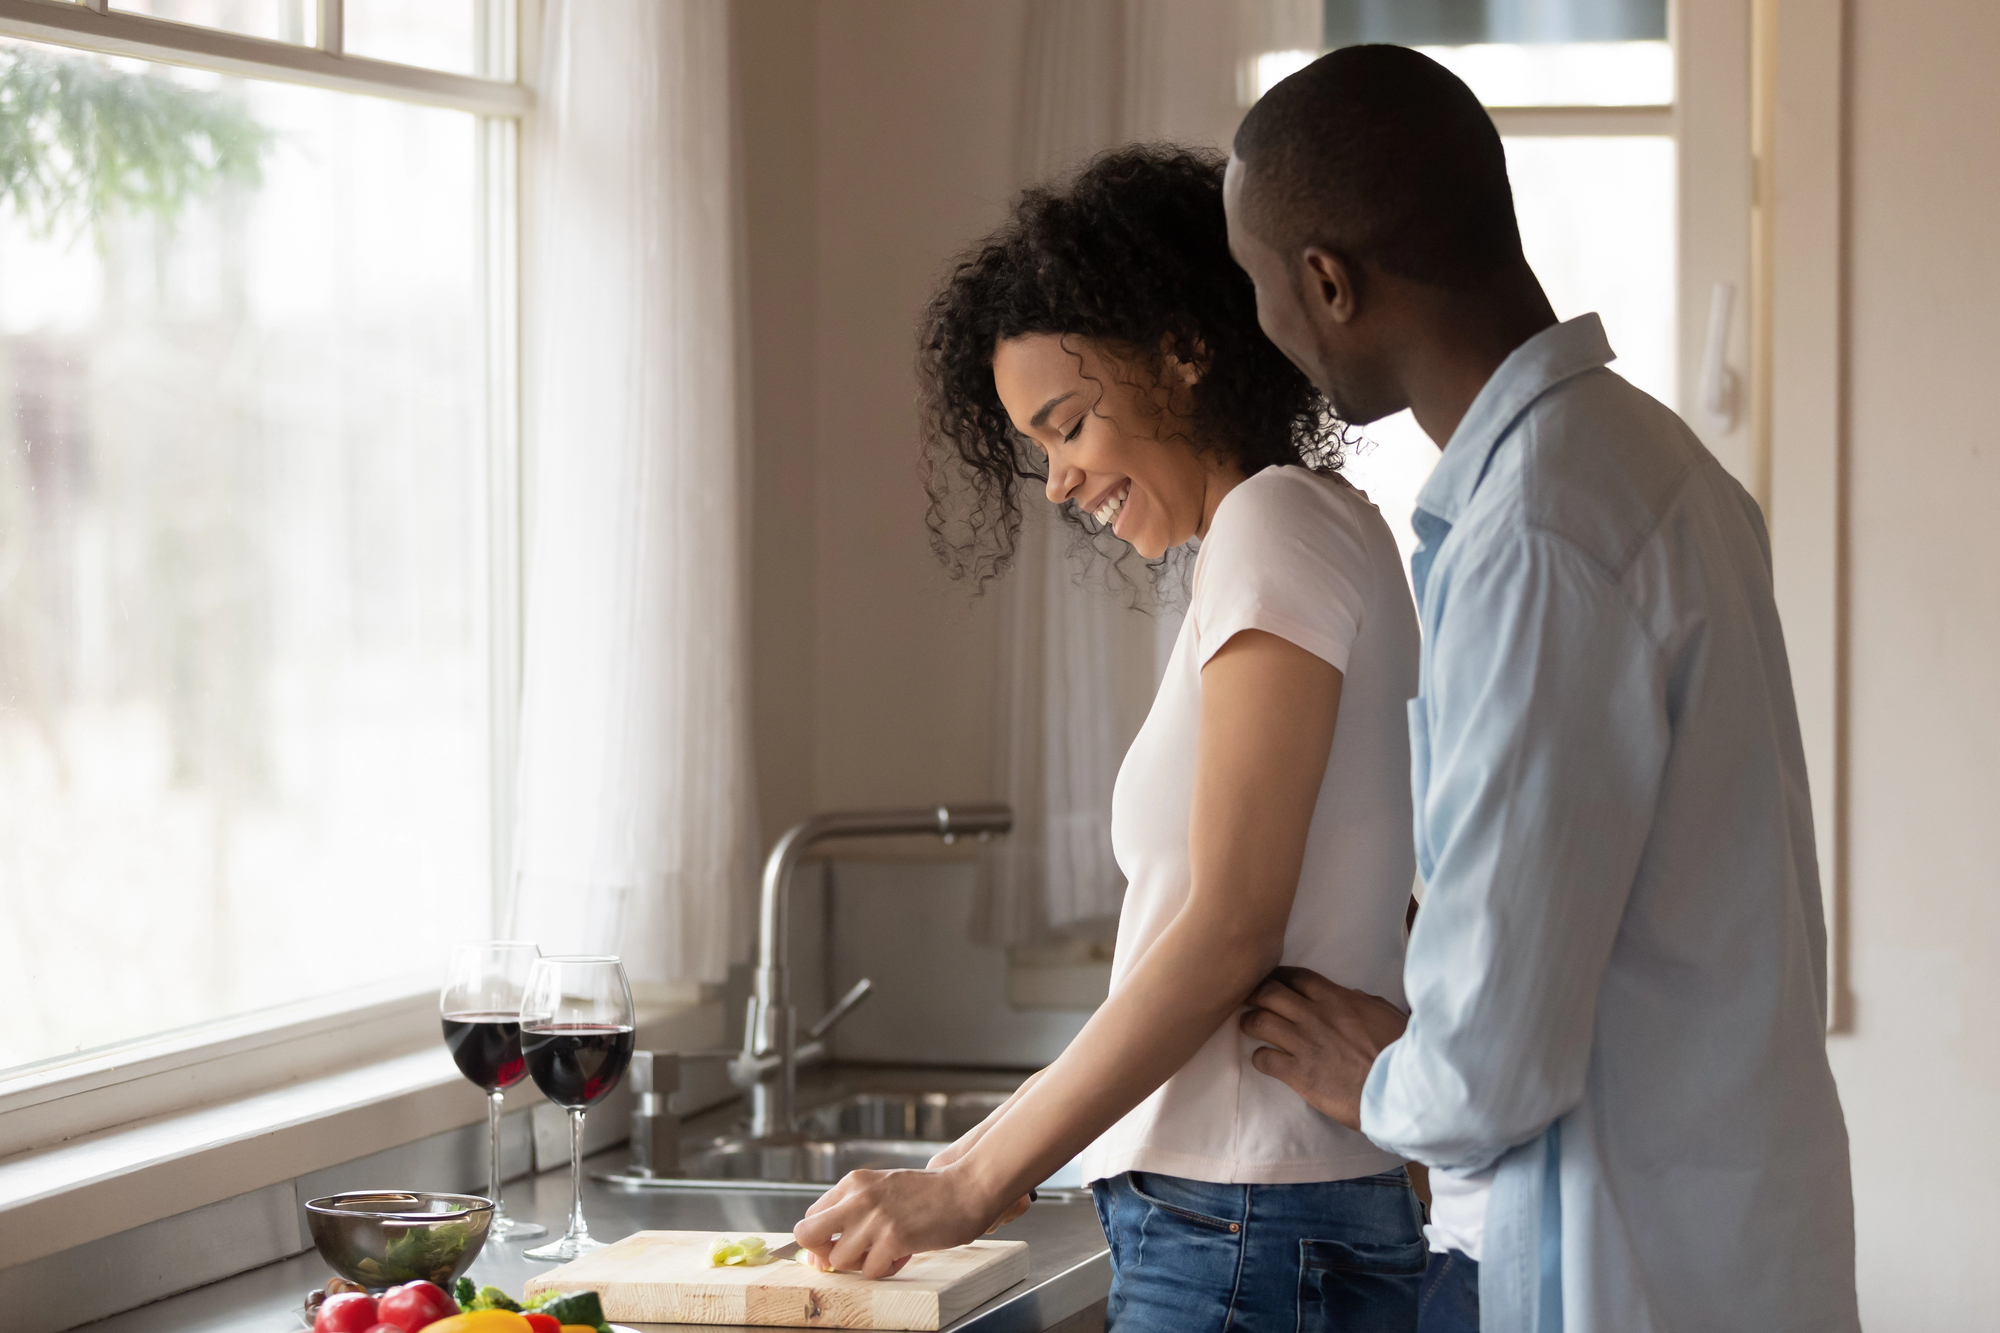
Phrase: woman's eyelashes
(1069, 436)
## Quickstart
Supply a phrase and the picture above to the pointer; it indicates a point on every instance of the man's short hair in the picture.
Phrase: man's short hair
(1383, 155)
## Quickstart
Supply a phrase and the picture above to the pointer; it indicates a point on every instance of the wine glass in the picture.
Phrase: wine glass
(481, 1007)
(576, 1035)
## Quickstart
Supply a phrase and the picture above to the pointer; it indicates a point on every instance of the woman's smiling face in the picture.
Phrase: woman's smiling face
(1115, 447)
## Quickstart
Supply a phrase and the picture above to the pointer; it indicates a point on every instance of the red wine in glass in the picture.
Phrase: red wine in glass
(576, 1035)
(487, 1048)
(576, 1064)
(480, 1006)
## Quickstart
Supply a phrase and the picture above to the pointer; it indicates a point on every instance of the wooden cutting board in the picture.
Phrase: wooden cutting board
(664, 1277)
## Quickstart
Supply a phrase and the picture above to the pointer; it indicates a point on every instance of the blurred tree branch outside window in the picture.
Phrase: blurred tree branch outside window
(81, 141)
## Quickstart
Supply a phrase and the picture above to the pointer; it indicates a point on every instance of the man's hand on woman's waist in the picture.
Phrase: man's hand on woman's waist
(1321, 1038)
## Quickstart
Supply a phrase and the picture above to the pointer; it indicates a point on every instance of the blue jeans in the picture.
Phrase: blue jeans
(1450, 1303)
(1188, 1255)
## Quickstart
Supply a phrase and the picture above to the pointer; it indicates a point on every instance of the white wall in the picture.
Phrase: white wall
(1920, 1075)
(916, 123)
(880, 138)
(777, 80)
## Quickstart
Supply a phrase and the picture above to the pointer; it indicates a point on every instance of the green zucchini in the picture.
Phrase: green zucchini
(578, 1307)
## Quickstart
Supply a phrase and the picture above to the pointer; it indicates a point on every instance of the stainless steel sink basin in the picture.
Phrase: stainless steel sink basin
(930, 1117)
(868, 1131)
(878, 1131)
(821, 1161)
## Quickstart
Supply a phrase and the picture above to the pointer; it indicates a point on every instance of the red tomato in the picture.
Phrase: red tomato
(382, 1328)
(349, 1312)
(542, 1323)
(415, 1304)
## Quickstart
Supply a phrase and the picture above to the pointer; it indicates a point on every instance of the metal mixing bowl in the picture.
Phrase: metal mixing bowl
(380, 1238)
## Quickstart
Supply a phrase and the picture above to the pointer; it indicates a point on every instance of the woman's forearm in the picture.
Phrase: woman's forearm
(1189, 984)
(963, 1143)
(1267, 722)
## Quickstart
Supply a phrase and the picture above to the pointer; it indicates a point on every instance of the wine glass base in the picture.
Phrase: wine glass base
(562, 1251)
(506, 1228)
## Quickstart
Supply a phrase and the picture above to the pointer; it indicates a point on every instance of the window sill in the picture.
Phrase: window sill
(98, 1184)
(154, 1078)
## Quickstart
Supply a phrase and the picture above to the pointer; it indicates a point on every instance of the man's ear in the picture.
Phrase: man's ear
(1330, 284)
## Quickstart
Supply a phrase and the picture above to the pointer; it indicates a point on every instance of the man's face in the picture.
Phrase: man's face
(1305, 314)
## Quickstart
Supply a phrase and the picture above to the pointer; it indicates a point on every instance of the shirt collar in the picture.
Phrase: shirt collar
(1530, 370)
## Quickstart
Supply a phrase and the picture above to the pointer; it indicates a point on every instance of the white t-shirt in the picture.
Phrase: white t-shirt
(1458, 1211)
(1308, 558)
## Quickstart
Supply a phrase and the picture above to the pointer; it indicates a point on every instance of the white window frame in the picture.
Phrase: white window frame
(92, 25)
(1800, 316)
(240, 1055)
(1759, 134)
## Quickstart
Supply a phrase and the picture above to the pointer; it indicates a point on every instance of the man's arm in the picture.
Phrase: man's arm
(1546, 730)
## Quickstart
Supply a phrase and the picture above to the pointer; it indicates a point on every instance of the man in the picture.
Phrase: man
(1615, 1055)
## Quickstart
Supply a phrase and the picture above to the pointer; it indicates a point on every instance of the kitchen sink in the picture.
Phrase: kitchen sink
(820, 1161)
(872, 1131)
(867, 1131)
(929, 1117)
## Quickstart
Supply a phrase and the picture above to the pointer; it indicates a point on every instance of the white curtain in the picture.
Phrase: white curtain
(1078, 664)
(635, 830)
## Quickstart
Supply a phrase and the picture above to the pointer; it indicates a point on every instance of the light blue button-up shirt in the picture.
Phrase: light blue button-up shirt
(1618, 978)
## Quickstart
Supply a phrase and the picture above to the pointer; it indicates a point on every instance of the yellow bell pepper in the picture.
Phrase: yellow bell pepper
(578, 1328)
(482, 1321)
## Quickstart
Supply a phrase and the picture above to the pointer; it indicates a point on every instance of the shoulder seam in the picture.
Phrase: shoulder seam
(1598, 567)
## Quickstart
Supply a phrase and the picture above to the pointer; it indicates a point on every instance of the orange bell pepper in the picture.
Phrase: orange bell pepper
(482, 1321)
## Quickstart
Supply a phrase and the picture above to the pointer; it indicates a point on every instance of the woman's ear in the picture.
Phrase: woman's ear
(1185, 365)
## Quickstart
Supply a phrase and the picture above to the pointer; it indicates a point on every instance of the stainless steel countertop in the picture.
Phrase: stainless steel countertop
(1069, 1267)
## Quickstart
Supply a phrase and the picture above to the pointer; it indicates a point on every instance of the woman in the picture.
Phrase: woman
(1104, 344)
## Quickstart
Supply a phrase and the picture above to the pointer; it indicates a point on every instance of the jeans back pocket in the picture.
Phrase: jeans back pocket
(1359, 1288)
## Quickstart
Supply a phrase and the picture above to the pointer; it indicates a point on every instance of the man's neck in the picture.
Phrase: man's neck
(1458, 339)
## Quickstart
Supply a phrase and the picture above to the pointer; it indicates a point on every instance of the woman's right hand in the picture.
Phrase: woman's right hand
(953, 1152)
(964, 1145)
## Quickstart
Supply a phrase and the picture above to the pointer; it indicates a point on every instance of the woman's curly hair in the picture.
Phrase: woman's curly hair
(1132, 253)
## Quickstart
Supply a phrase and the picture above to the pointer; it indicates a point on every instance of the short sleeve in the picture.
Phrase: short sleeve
(1287, 554)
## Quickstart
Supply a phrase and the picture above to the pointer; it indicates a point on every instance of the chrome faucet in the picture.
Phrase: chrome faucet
(767, 1066)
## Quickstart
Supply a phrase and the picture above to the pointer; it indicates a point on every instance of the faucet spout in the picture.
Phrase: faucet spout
(768, 1064)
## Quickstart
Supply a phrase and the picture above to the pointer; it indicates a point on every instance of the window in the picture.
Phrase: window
(1584, 93)
(255, 458)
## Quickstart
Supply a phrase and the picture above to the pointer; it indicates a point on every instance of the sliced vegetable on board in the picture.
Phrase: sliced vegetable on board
(744, 1252)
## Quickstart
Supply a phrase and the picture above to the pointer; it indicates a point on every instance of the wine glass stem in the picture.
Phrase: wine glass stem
(577, 1229)
(493, 1154)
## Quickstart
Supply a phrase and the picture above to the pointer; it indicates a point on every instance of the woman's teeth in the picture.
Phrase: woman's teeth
(1107, 513)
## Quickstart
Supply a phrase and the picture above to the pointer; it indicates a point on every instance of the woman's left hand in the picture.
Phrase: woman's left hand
(873, 1221)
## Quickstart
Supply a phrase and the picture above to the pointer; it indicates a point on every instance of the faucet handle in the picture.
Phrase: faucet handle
(654, 1073)
(656, 1142)
(858, 992)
